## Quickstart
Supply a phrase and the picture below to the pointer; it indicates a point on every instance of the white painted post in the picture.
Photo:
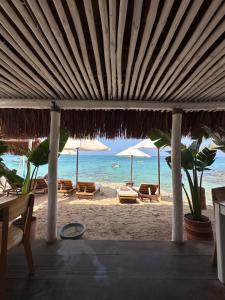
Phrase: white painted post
(52, 173)
(177, 215)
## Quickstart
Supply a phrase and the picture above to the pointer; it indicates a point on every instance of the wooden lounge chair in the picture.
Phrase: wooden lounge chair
(127, 195)
(11, 236)
(65, 186)
(87, 189)
(218, 195)
(39, 186)
(148, 191)
(13, 189)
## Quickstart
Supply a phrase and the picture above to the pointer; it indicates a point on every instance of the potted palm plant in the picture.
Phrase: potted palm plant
(193, 162)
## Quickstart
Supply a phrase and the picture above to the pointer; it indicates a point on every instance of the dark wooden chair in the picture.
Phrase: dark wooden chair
(218, 195)
(11, 235)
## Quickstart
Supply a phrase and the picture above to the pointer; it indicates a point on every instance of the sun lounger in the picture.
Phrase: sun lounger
(148, 191)
(127, 195)
(9, 187)
(87, 189)
(65, 186)
(39, 186)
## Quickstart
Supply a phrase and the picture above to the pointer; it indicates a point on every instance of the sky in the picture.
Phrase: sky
(118, 145)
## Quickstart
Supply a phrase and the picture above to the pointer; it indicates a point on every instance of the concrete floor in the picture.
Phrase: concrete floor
(115, 270)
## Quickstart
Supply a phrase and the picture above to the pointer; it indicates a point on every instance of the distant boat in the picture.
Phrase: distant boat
(115, 165)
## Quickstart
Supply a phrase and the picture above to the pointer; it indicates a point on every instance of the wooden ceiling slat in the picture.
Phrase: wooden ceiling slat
(105, 30)
(201, 42)
(13, 85)
(119, 48)
(54, 45)
(176, 21)
(24, 51)
(73, 72)
(15, 73)
(161, 23)
(163, 52)
(10, 92)
(62, 15)
(37, 32)
(144, 43)
(191, 14)
(25, 67)
(92, 30)
(112, 34)
(216, 57)
(213, 90)
(80, 34)
(210, 81)
(29, 81)
(19, 84)
(25, 32)
(136, 21)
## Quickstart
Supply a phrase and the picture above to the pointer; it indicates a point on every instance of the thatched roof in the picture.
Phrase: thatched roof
(166, 53)
(91, 123)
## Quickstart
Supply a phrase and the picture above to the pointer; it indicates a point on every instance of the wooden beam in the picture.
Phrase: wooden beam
(113, 104)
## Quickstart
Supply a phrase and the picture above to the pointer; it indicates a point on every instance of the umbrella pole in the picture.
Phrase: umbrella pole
(131, 168)
(77, 166)
(159, 168)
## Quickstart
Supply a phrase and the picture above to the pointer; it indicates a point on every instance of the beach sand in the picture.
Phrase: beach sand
(107, 219)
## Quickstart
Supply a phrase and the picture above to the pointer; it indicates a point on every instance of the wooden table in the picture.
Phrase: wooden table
(220, 239)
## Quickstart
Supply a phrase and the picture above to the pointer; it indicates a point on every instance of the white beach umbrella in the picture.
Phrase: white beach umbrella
(73, 146)
(148, 144)
(131, 152)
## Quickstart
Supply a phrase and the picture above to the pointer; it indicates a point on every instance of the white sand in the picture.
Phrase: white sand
(105, 218)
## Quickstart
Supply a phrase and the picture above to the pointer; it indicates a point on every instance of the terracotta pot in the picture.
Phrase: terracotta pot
(198, 230)
(19, 223)
(203, 199)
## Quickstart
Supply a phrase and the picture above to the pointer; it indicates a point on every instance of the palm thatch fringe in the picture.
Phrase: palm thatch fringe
(31, 123)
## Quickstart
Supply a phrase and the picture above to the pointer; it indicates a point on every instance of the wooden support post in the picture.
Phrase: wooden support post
(177, 221)
(52, 173)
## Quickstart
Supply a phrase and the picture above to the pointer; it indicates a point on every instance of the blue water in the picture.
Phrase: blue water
(99, 169)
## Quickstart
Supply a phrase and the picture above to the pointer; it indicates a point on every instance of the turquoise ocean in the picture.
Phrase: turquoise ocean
(99, 168)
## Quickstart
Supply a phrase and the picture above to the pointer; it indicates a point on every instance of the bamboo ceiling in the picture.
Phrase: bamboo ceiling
(155, 50)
